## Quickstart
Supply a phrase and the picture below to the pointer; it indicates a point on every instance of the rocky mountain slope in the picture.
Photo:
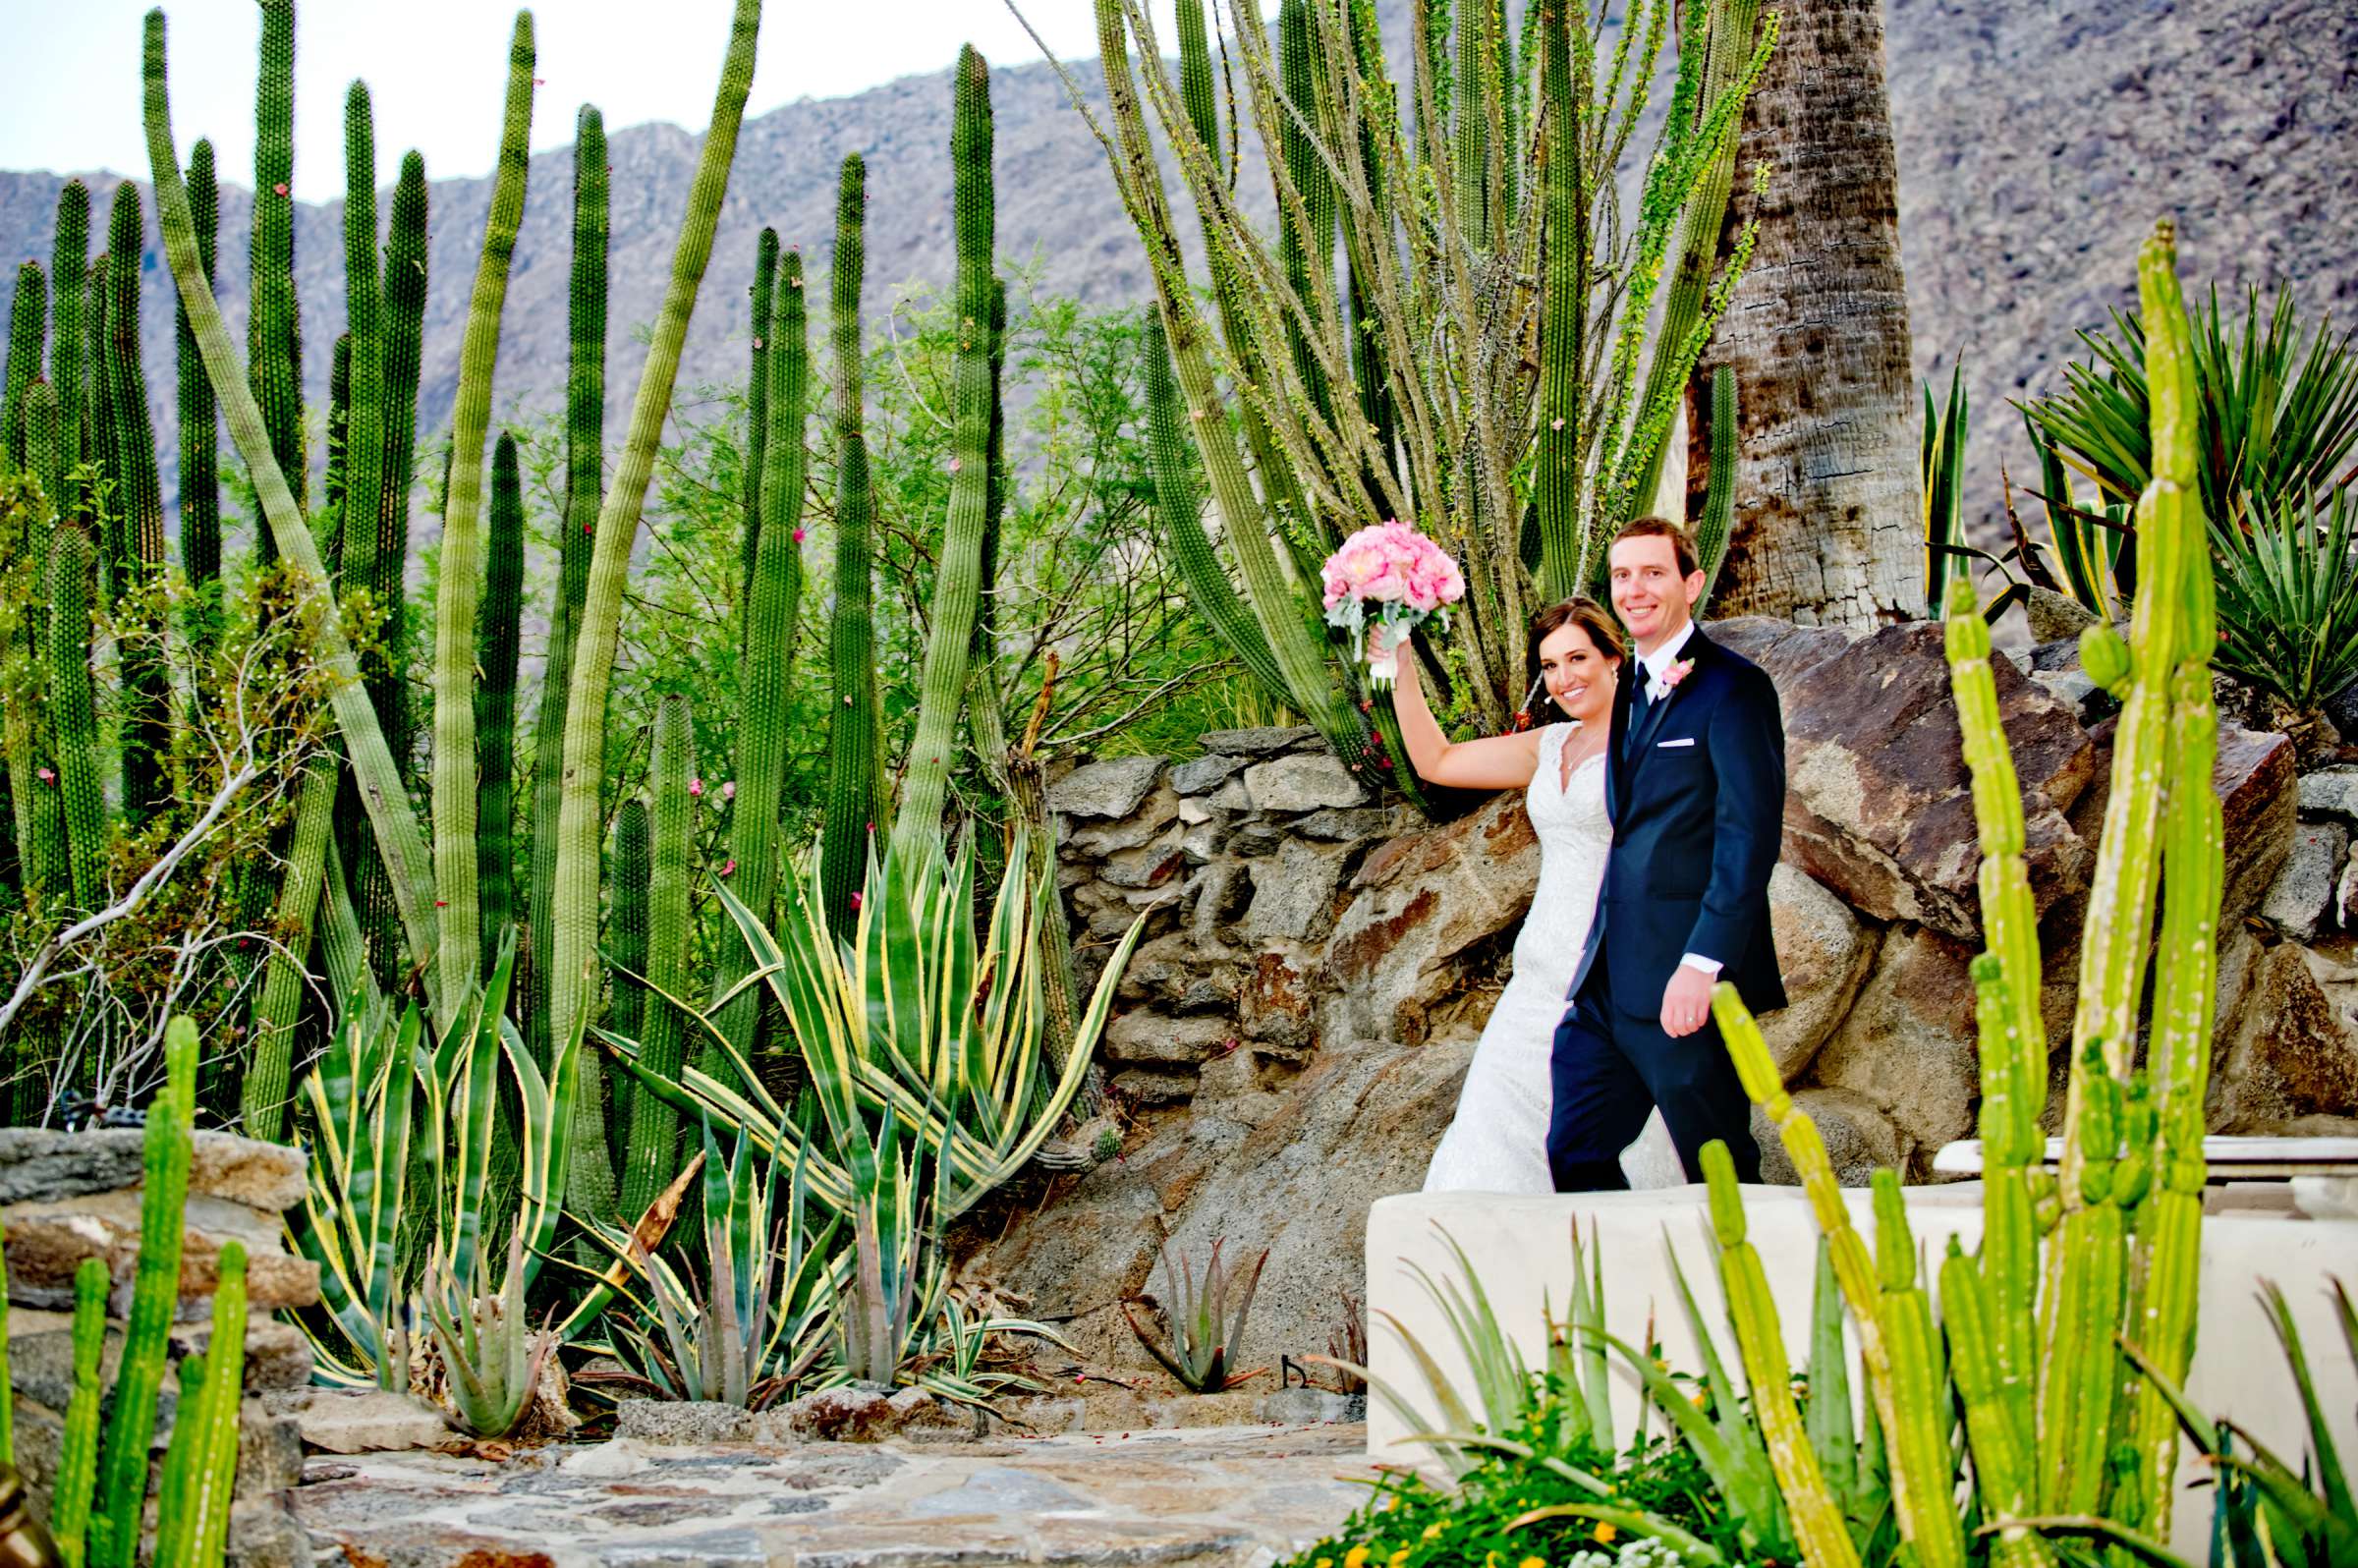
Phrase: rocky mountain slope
(2037, 141)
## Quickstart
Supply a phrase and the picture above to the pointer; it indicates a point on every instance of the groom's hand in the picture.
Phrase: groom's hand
(1686, 1001)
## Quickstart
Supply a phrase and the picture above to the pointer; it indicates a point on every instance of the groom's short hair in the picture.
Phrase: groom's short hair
(1662, 528)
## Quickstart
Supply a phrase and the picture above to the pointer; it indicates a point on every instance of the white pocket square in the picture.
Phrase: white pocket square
(1684, 740)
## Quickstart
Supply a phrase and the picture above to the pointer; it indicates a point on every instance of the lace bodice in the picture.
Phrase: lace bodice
(1575, 836)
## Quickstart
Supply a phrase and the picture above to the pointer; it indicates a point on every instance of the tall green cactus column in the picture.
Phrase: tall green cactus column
(69, 273)
(772, 600)
(98, 424)
(363, 289)
(139, 497)
(590, 1172)
(495, 698)
(458, 886)
(278, 1004)
(40, 822)
(1564, 307)
(653, 1156)
(757, 418)
(27, 324)
(73, 716)
(629, 875)
(577, 531)
(155, 1293)
(199, 421)
(273, 334)
(958, 578)
(854, 789)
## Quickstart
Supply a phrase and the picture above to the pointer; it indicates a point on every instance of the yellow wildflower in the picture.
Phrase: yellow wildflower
(1433, 1531)
(1325, 1562)
(1605, 1532)
(1533, 1562)
(1356, 1557)
(1399, 1557)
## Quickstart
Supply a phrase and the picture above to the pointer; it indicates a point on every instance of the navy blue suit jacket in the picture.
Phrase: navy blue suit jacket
(1698, 801)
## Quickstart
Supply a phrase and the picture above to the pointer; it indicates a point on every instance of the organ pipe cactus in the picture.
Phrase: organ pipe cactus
(404, 312)
(68, 344)
(378, 778)
(2066, 1430)
(653, 1149)
(574, 951)
(958, 578)
(495, 697)
(854, 790)
(138, 556)
(772, 601)
(364, 291)
(278, 1004)
(630, 874)
(213, 1456)
(78, 1442)
(200, 419)
(757, 413)
(273, 336)
(154, 1294)
(174, 1504)
(28, 324)
(577, 528)
(458, 884)
(73, 716)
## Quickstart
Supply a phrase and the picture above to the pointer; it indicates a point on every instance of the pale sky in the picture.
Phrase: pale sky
(436, 69)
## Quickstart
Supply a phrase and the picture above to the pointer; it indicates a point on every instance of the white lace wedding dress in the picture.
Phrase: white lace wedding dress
(1497, 1142)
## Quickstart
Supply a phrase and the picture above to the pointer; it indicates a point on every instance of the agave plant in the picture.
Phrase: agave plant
(494, 1355)
(2278, 412)
(757, 1328)
(378, 1100)
(2288, 598)
(1205, 1330)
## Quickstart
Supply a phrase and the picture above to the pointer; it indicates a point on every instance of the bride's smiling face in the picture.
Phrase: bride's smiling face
(1578, 676)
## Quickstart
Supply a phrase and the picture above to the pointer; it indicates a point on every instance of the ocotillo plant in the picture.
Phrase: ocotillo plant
(772, 601)
(574, 951)
(854, 789)
(457, 883)
(2065, 1430)
(495, 697)
(958, 578)
(577, 528)
(674, 787)
(1443, 244)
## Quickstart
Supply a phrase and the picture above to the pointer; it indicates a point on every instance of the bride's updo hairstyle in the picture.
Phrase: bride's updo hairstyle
(1604, 634)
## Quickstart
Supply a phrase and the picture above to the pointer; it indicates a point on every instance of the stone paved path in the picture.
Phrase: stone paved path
(1209, 1497)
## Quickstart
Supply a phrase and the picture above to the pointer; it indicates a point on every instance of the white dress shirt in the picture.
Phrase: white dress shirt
(1655, 665)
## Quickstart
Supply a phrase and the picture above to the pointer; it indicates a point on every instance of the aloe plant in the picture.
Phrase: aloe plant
(1205, 1319)
(2287, 598)
(494, 1355)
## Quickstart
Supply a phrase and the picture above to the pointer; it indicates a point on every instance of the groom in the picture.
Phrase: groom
(1696, 784)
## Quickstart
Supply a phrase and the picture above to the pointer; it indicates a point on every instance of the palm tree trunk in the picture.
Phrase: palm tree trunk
(1829, 528)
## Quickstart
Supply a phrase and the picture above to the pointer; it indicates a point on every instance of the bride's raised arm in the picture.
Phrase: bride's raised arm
(1492, 762)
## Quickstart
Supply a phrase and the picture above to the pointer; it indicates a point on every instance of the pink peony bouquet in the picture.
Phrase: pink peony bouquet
(1395, 574)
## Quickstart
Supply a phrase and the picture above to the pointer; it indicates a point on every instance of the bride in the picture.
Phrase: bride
(1497, 1142)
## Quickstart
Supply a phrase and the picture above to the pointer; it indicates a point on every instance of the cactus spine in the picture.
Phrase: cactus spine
(854, 789)
(381, 786)
(756, 416)
(958, 578)
(577, 529)
(200, 420)
(154, 1292)
(456, 881)
(73, 716)
(772, 601)
(1817, 1524)
(278, 1006)
(77, 1446)
(654, 1123)
(590, 1171)
(69, 271)
(495, 697)
(273, 335)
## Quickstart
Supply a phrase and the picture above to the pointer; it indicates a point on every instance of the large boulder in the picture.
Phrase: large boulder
(1422, 908)
(2256, 783)
(1825, 952)
(1859, 1137)
(1907, 1046)
(1878, 805)
(2289, 1050)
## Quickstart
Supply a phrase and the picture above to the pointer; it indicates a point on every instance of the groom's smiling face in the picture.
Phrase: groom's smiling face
(1649, 594)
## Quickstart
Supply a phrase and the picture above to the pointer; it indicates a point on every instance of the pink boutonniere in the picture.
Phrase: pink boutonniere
(1677, 673)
